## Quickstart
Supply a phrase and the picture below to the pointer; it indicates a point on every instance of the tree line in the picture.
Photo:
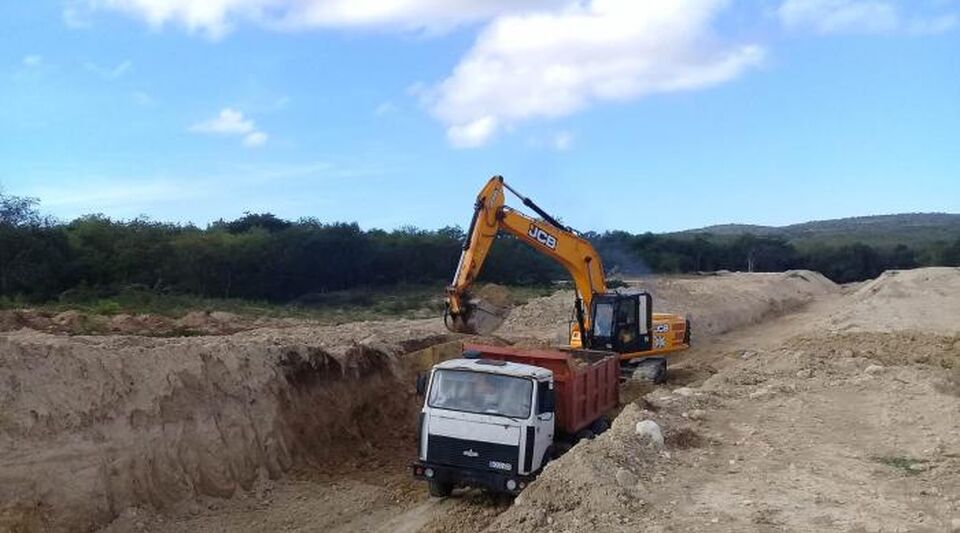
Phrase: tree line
(260, 256)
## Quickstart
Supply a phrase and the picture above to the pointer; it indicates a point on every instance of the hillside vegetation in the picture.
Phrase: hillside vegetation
(879, 230)
(264, 258)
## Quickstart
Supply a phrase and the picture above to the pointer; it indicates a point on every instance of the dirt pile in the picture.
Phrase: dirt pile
(90, 426)
(819, 434)
(603, 484)
(74, 322)
(715, 303)
(925, 299)
(800, 427)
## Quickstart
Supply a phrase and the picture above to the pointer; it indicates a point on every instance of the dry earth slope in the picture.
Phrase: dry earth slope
(843, 417)
(779, 422)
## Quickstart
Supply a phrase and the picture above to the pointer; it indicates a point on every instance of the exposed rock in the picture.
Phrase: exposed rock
(626, 478)
(650, 431)
(761, 393)
(644, 373)
(955, 525)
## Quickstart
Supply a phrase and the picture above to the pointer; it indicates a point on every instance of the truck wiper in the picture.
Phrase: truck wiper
(494, 413)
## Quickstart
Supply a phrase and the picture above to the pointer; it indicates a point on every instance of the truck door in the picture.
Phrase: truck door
(539, 436)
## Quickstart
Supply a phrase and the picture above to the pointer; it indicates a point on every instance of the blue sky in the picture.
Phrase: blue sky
(613, 114)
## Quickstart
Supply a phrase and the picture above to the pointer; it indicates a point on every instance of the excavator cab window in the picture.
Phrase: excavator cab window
(621, 323)
(603, 320)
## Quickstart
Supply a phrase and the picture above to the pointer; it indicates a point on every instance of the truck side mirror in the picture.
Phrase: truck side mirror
(421, 384)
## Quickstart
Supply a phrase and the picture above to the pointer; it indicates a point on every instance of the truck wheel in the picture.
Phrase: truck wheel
(440, 490)
(548, 455)
(600, 425)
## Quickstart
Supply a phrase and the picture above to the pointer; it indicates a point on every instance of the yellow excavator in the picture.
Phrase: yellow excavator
(612, 321)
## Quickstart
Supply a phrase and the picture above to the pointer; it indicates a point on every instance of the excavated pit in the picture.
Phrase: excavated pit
(91, 426)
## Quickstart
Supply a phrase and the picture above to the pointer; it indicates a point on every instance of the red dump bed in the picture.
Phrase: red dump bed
(587, 383)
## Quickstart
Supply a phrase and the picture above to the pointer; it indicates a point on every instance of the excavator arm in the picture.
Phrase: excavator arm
(546, 235)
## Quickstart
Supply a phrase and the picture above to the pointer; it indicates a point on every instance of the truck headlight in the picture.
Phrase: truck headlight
(428, 472)
(511, 484)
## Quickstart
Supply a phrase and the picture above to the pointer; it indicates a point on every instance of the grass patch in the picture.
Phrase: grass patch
(906, 465)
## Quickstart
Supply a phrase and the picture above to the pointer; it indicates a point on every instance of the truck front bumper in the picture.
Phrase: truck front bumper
(463, 477)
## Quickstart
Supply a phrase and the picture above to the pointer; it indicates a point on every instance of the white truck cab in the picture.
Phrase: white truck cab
(485, 423)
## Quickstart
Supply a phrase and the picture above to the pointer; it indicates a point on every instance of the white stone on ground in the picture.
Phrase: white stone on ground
(651, 432)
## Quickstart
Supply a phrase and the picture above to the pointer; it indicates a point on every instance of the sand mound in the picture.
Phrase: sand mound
(92, 425)
(600, 484)
(715, 304)
(494, 294)
(924, 299)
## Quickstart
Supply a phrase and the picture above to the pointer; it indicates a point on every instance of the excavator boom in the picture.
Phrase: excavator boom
(546, 235)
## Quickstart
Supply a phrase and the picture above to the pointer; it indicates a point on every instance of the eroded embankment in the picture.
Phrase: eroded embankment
(92, 425)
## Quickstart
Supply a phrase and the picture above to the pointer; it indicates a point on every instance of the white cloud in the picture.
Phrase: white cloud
(215, 18)
(553, 64)
(472, 134)
(109, 73)
(256, 138)
(562, 140)
(231, 122)
(431, 15)
(228, 122)
(32, 60)
(860, 16)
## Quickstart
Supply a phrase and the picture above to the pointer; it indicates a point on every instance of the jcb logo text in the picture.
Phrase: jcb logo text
(542, 237)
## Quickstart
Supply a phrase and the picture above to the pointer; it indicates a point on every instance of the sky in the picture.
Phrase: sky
(611, 114)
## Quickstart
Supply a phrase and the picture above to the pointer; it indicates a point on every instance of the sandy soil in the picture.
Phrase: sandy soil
(800, 427)
(803, 407)
(714, 303)
(194, 323)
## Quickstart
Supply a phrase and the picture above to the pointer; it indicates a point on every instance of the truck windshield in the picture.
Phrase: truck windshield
(480, 392)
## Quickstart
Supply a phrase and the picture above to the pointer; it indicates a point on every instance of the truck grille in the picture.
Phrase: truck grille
(472, 454)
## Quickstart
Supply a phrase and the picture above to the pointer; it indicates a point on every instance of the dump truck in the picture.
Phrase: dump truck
(494, 417)
(622, 322)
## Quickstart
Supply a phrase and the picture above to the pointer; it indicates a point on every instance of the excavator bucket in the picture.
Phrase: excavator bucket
(479, 318)
(482, 312)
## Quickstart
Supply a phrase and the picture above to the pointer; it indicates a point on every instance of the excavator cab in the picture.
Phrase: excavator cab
(622, 323)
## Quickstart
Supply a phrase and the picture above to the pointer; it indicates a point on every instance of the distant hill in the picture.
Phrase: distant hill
(879, 230)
